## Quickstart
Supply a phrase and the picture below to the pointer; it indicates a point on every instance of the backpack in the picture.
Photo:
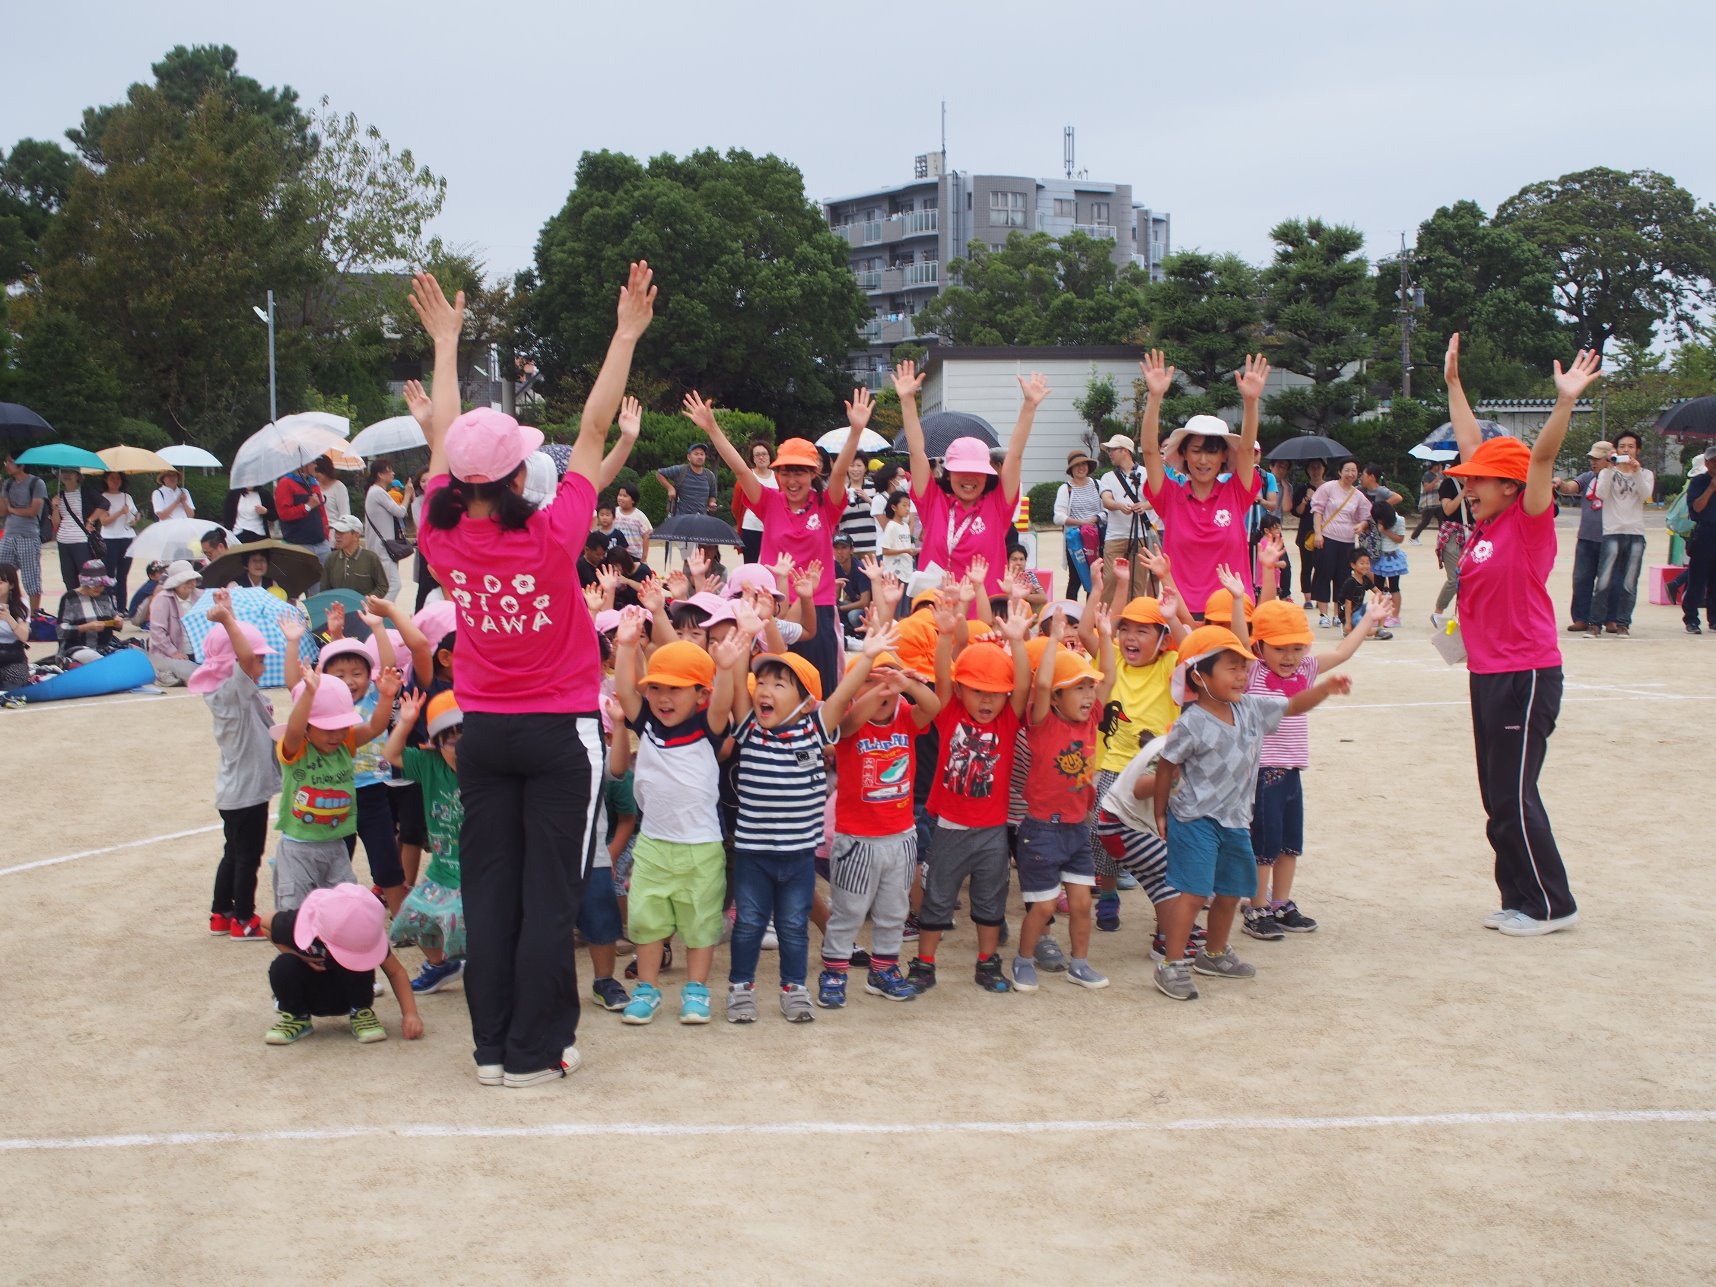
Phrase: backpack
(1678, 516)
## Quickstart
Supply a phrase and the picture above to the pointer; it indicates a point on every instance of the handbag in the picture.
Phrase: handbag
(1317, 537)
(397, 547)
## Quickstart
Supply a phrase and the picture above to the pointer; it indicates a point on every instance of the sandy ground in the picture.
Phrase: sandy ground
(1399, 1097)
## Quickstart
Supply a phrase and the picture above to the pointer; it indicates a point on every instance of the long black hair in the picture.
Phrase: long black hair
(447, 505)
(11, 588)
(376, 469)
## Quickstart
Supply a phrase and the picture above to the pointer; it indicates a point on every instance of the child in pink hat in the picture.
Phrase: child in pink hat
(249, 773)
(330, 947)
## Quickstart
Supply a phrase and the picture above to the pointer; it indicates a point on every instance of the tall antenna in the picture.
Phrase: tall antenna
(1067, 149)
(944, 136)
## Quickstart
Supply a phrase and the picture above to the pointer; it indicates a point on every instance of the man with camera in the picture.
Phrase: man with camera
(1623, 488)
(1588, 550)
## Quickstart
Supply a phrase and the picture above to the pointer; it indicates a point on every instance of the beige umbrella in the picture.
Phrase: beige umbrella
(131, 460)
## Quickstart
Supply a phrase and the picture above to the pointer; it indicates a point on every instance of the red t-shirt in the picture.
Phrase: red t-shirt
(806, 534)
(526, 641)
(1200, 535)
(954, 533)
(1506, 618)
(976, 765)
(1060, 785)
(874, 767)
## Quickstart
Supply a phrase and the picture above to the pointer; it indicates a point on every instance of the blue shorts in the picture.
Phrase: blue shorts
(1207, 858)
(1052, 854)
(1278, 816)
(599, 910)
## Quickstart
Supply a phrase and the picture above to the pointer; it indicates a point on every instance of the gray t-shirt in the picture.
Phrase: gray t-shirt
(1590, 507)
(1624, 496)
(249, 772)
(694, 489)
(19, 493)
(1218, 761)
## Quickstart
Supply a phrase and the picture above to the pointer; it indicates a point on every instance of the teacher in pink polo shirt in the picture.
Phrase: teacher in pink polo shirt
(799, 516)
(1512, 651)
(1203, 518)
(530, 757)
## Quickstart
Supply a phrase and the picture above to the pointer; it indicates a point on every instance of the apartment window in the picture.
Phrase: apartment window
(1099, 212)
(1006, 209)
(1066, 208)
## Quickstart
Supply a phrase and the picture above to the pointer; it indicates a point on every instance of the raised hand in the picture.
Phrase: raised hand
(1157, 563)
(417, 403)
(750, 621)
(1017, 623)
(652, 594)
(1057, 625)
(1253, 377)
(336, 621)
(977, 571)
(783, 572)
(1104, 621)
(858, 410)
(870, 566)
(879, 638)
(293, 627)
(762, 603)
(594, 599)
(410, 706)
(607, 579)
(374, 605)
(630, 629)
(637, 302)
(948, 611)
(1034, 390)
(1230, 582)
(732, 651)
(908, 379)
(443, 321)
(1170, 602)
(1451, 361)
(888, 591)
(808, 579)
(1270, 551)
(631, 417)
(1019, 586)
(221, 612)
(1158, 375)
(710, 583)
(389, 683)
(678, 585)
(1569, 384)
(1376, 607)
(701, 413)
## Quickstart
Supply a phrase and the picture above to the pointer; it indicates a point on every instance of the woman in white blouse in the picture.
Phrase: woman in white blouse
(760, 454)
(246, 513)
(381, 514)
(171, 500)
(118, 519)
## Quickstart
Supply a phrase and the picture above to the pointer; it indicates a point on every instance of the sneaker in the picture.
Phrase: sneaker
(1125, 880)
(432, 978)
(771, 940)
(1174, 979)
(693, 1003)
(288, 1028)
(1578, 628)
(1048, 957)
(889, 982)
(1262, 925)
(219, 924)
(1325, 623)
(646, 1000)
(366, 1027)
(490, 1075)
(1496, 919)
(570, 1062)
(741, 1003)
(1615, 629)
(859, 960)
(921, 975)
(795, 1003)
(831, 990)
(1159, 948)
(1225, 966)
(1024, 975)
(1391, 621)
(1108, 913)
(909, 931)
(666, 962)
(610, 994)
(989, 976)
(1385, 634)
(1416, 541)
(1523, 926)
(250, 930)
(1079, 972)
(1290, 918)
(1694, 629)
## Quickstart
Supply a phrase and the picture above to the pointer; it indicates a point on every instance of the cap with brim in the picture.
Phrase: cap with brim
(1077, 457)
(714, 607)
(985, 667)
(1145, 610)
(680, 665)
(1198, 426)
(178, 572)
(1034, 650)
(807, 675)
(345, 648)
(967, 456)
(1218, 608)
(1281, 623)
(349, 920)
(796, 453)
(1496, 458)
(1071, 668)
(442, 714)
(487, 446)
(1120, 442)
(346, 523)
(1602, 449)
(1071, 610)
(609, 619)
(331, 708)
(219, 660)
(1201, 644)
(882, 662)
(749, 576)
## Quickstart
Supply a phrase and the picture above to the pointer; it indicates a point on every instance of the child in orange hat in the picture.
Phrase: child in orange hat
(1205, 782)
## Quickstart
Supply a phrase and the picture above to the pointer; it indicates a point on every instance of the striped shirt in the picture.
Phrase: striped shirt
(781, 784)
(1289, 746)
(859, 523)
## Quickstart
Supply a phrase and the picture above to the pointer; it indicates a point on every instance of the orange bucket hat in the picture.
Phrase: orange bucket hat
(1070, 669)
(984, 667)
(1496, 458)
(680, 665)
(803, 671)
(1281, 623)
(796, 451)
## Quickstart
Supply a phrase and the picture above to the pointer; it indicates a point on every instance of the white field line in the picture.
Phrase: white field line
(81, 705)
(586, 1130)
(110, 849)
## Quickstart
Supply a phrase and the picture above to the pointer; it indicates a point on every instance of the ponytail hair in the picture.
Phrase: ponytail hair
(447, 506)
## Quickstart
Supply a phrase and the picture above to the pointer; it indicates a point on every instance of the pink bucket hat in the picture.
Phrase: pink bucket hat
(331, 708)
(219, 660)
(350, 922)
(967, 456)
(717, 608)
(747, 575)
(488, 446)
(347, 648)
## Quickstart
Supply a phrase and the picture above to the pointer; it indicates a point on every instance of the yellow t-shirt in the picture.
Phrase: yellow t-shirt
(1145, 694)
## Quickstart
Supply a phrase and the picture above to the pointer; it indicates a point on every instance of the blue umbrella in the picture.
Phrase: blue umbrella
(21, 419)
(1442, 445)
(61, 455)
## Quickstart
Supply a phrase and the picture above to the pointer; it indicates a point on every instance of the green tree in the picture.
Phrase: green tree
(1096, 406)
(1204, 316)
(59, 374)
(34, 180)
(1317, 298)
(758, 306)
(1038, 290)
(1695, 360)
(1631, 250)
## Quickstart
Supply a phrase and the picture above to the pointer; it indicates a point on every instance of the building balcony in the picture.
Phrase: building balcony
(1100, 231)
(926, 273)
(868, 279)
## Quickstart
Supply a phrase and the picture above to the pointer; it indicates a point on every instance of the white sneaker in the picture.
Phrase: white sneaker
(771, 942)
(1415, 541)
(1324, 622)
(570, 1060)
(1523, 926)
(490, 1074)
(1499, 917)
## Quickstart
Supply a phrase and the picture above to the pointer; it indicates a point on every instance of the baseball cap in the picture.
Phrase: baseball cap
(803, 671)
(796, 452)
(345, 648)
(1281, 623)
(1496, 458)
(1118, 442)
(985, 667)
(1145, 610)
(487, 446)
(346, 523)
(443, 713)
(1203, 643)
(349, 920)
(1071, 668)
(680, 665)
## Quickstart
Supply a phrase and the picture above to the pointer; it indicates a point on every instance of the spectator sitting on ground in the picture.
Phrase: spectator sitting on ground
(138, 608)
(169, 648)
(88, 616)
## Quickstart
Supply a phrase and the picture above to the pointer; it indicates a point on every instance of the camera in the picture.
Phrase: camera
(1619, 460)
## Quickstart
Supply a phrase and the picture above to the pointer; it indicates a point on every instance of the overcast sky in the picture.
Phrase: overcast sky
(1229, 116)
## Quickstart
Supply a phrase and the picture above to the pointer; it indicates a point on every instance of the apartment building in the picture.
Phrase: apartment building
(901, 237)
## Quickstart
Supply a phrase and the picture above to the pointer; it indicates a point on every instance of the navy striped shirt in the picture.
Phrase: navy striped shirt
(782, 785)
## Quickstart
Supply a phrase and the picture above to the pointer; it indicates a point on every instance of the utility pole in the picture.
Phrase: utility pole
(268, 317)
(1407, 324)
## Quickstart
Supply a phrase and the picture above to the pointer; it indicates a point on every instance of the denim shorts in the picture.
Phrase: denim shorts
(1052, 854)
(1278, 816)
(1207, 858)
(599, 910)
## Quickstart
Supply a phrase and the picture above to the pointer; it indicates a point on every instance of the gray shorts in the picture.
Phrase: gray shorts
(979, 854)
(304, 865)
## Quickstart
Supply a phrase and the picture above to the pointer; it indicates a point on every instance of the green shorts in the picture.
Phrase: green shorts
(676, 887)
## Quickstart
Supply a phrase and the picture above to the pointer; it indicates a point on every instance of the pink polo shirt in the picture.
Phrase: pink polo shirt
(526, 641)
(805, 534)
(1201, 535)
(954, 534)
(1506, 618)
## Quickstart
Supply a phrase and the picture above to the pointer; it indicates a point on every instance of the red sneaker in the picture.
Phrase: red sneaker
(219, 924)
(251, 928)
(379, 896)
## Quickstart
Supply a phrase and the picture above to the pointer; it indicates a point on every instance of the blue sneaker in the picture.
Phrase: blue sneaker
(889, 982)
(1125, 880)
(693, 1003)
(831, 990)
(1108, 912)
(646, 1000)
(610, 994)
(432, 978)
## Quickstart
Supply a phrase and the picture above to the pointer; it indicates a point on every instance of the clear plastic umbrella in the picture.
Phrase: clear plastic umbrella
(277, 449)
(174, 538)
(385, 437)
(868, 441)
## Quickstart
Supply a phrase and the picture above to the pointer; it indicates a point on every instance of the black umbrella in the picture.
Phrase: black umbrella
(1694, 418)
(291, 567)
(20, 419)
(1309, 446)
(942, 427)
(696, 529)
